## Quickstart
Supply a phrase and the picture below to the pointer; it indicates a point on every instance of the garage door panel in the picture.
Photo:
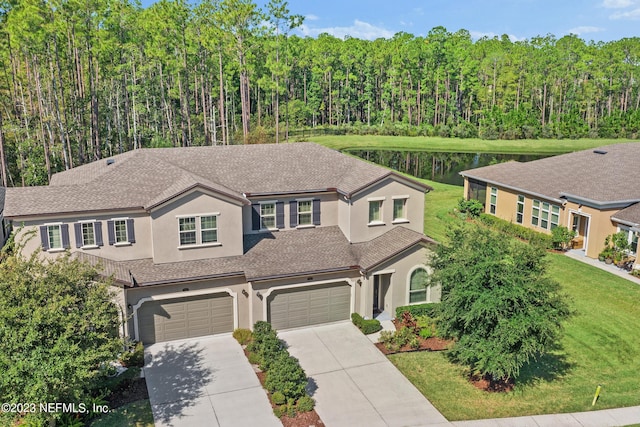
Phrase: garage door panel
(185, 318)
(305, 306)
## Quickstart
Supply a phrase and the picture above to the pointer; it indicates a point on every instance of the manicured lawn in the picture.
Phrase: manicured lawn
(600, 346)
(439, 204)
(407, 143)
(135, 414)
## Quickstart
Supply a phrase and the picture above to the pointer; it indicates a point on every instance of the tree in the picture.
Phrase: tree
(56, 329)
(497, 302)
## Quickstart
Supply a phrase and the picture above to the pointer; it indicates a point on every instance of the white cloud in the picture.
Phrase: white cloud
(585, 30)
(618, 4)
(359, 29)
(311, 17)
(633, 15)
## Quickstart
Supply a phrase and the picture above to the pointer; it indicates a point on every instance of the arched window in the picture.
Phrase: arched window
(419, 286)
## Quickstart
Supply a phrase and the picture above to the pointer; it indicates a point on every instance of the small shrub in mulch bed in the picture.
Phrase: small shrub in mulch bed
(412, 335)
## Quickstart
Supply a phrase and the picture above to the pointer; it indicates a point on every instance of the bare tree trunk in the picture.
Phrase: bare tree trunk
(225, 139)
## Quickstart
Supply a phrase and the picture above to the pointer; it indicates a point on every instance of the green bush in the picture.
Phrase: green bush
(561, 237)
(243, 336)
(254, 358)
(286, 376)
(135, 357)
(305, 404)
(270, 350)
(357, 320)
(414, 343)
(426, 333)
(370, 326)
(278, 398)
(533, 237)
(280, 411)
(473, 208)
(417, 310)
(291, 410)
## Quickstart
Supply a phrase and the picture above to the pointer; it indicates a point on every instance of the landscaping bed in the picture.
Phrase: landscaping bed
(415, 331)
(428, 344)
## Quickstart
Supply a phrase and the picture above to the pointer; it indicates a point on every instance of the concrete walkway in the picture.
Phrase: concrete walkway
(353, 383)
(205, 382)
(611, 268)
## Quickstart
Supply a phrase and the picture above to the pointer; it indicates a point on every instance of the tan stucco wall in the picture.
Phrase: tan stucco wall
(165, 228)
(397, 294)
(600, 225)
(360, 231)
(28, 232)
(234, 284)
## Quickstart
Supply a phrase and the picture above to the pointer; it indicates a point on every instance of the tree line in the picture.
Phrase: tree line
(81, 80)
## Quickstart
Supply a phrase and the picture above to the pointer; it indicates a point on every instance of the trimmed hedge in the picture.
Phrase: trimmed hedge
(367, 327)
(518, 231)
(417, 310)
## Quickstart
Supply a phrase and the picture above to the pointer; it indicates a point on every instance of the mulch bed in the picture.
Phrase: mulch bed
(136, 390)
(302, 419)
(428, 344)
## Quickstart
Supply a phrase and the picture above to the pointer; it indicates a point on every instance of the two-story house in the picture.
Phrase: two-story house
(203, 240)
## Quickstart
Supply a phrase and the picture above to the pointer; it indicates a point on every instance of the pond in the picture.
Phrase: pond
(438, 166)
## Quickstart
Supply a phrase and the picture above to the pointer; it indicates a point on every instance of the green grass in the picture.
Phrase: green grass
(600, 346)
(135, 414)
(455, 145)
(439, 204)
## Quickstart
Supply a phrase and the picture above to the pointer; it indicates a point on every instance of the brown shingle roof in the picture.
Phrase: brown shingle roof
(585, 175)
(145, 177)
(272, 255)
(630, 215)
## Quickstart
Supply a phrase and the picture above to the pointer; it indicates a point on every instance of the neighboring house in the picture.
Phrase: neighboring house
(203, 240)
(5, 226)
(593, 192)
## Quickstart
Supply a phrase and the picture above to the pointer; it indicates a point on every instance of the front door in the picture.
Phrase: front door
(376, 294)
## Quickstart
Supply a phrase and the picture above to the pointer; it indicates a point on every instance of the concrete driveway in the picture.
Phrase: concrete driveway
(353, 383)
(205, 382)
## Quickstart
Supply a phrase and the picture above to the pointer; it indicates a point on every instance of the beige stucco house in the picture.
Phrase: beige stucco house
(592, 192)
(203, 240)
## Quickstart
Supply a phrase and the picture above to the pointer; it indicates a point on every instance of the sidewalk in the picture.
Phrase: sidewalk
(611, 268)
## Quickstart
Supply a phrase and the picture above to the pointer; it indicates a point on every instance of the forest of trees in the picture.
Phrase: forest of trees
(84, 79)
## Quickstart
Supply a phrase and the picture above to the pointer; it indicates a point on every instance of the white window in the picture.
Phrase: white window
(88, 234)
(399, 209)
(54, 233)
(198, 230)
(419, 289)
(535, 213)
(375, 211)
(632, 238)
(120, 227)
(305, 212)
(494, 200)
(520, 210)
(545, 215)
(267, 216)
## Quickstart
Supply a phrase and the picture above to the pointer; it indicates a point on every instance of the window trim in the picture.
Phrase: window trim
(59, 225)
(95, 240)
(275, 214)
(380, 220)
(404, 218)
(493, 204)
(427, 289)
(310, 213)
(126, 232)
(520, 209)
(198, 231)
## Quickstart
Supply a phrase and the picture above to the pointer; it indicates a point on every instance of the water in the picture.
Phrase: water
(438, 166)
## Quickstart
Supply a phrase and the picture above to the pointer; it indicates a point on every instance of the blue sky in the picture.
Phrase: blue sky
(520, 19)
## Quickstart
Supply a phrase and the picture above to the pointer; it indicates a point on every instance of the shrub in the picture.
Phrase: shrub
(472, 208)
(533, 237)
(357, 320)
(243, 336)
(417, 310)
(291, 410)
(425, 333)
(270, 350)
(134, 357)
(370, 326)
(561, 237)
(280, 411)
(306, 404)
(414, 343)
(409, 322)
(286, 376)
(254, 358)
(278, 398)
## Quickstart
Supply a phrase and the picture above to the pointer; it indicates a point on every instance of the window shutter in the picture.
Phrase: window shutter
(97, 229)
(293, 214)
(131, 233)
(316, 211)
(65, 236)
(77, 230)
(280, 214)
(111, 232)
(44, 237)
(255, 217)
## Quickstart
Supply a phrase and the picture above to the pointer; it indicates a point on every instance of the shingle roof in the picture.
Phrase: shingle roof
(629, 215)
(142, 178)
(587, 175)
(272, 255)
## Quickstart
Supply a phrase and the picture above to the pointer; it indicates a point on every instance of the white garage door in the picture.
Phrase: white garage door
(185, 318)
(313, 305)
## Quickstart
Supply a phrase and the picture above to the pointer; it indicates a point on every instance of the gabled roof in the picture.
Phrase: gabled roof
(630, 215)
(602, 177)
(144, 178)
(271, 256)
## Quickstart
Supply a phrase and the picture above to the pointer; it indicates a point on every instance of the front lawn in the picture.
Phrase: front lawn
(600, 346)
(135, 414)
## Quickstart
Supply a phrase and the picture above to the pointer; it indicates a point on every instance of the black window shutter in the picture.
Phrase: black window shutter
(97, 228)
(44, 237)
(65, 236)
(131, 233)
(293, 213)
(77, 230)
(316, 211)
(280, 214)
(111, 232)
(255, 217)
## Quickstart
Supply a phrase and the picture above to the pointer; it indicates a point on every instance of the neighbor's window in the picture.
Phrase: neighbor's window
(399, 209)
(305, 211)
(632, 238)
(520, 210)
(198, 230)
(535, 213)
(55, 236)
(267, 215)
(208, 229)
(375, 211)
(187, 231)
(494, 200)
(120, 227)
(88, 234)
(418, 286)
(545, 215)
